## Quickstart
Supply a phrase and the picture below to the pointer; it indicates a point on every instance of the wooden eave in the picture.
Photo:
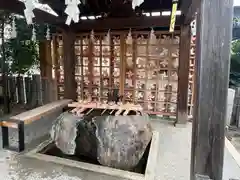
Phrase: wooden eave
(124, 23)
(119, 15)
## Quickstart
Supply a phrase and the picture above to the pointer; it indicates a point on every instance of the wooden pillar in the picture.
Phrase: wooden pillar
(236, 108)
(46, 69)
(28, 88)
(214, 32)
(122, 62)
(90, 67)
(45, 59)
(12, 89)
(36, 91)
(183, 74)
(70, 86)
(55, 56)
(20, 90)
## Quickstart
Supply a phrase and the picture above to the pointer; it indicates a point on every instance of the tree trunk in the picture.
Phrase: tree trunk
(4, 71)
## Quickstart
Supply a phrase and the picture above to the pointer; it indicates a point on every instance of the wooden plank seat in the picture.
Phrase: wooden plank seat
(25, 118)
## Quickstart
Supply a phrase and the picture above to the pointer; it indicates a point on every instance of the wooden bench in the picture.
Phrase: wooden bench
(25, 118)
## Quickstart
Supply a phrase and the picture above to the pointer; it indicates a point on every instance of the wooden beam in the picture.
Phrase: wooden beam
(214, 32)
(13, 6)
(124, 23)
(183, 74)
(18, 7)
(70, 86)
(44, 17)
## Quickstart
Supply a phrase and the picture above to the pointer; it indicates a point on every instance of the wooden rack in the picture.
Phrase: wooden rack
(143, 71)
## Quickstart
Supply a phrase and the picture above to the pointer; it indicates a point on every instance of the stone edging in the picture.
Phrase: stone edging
(233, 151)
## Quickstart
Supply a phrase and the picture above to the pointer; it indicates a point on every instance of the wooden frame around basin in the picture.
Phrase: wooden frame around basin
(149, 172)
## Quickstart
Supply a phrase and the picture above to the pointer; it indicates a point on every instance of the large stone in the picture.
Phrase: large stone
(114, 141)
(86, 141)
(74, 135)
(64, 132)
(122, 140)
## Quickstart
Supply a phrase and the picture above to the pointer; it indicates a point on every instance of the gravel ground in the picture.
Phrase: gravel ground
(17, 167)
(174, 157)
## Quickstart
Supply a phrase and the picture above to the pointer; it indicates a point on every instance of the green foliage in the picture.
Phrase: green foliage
(5, 16)
(21, 53)
(235, 65)
(24, 31)
(236, 20)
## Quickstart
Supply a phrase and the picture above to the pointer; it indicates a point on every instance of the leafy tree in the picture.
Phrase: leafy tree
(21, 52)
(236, 20)
(19, 55)
(5, 18)
(22, 55)
(235, 65)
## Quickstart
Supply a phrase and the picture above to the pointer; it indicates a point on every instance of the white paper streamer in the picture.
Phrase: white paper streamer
(153, 38)
(92, 36)
(28, 12)
(136, 3)
(107, 38)
(14, 31)
(72, 11)
(34, 38)
(129, 38)
(48, 36)
(30, 5)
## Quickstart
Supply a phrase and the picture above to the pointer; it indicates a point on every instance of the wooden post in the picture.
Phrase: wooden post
(90, 65)
(12, 89)
(42, 56)
(236, 108)
(20, 90)
(122, 62)
(36, 91)
(46, 69)
(214, 32)
(183, 74)
(28, 88)
(34, 96)
(56, 68)
(70, 85)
